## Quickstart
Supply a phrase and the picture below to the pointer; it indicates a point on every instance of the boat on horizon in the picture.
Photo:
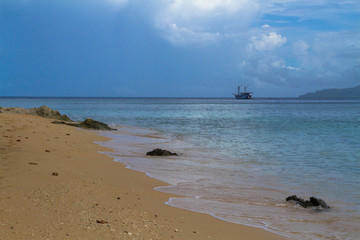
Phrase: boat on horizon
(244, 94)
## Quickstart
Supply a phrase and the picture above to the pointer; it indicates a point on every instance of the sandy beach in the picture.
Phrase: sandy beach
(56, 185)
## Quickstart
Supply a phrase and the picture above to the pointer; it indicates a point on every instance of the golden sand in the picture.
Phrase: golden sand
(55, 185)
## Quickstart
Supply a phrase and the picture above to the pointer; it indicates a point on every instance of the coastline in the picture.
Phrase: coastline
(92, 197)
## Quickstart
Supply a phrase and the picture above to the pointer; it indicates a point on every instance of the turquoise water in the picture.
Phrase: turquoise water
(241, 159)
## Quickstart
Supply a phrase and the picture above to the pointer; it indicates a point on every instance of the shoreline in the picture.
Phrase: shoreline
(91, 196)
(151, 139)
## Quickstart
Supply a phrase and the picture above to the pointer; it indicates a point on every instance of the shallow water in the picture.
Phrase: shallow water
(232, 193)
(240, 159)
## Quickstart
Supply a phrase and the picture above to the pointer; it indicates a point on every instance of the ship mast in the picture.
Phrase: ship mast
(245, 88)
(239, 86)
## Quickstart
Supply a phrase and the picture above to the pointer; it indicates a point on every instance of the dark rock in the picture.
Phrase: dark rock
(160, 152)
(101, 221)
(90, 123)
(55, 174)
(314, 202)
(319, 202)
(47, 112)
(32, 163)
(297, 200)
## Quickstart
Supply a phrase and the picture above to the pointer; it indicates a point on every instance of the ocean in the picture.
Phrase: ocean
(239, 159)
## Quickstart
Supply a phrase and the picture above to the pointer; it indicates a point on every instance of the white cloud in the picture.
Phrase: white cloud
(292, 68)
(267, 42)
(280, 64)
(207, 21)
(301, 48)
(330, 59)
(182, 36)
(194, 8)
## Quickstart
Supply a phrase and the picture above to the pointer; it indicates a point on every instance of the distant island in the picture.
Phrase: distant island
(334, 93)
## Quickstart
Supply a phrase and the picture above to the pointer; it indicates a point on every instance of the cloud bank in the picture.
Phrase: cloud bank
(185, 22)
(287, 42)
(267, 42)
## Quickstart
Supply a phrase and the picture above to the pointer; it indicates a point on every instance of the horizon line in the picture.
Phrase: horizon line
(132, 97)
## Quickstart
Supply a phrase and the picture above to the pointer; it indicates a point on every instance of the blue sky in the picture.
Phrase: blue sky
(177, 48)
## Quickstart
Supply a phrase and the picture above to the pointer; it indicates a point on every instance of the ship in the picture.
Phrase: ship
(243, 95)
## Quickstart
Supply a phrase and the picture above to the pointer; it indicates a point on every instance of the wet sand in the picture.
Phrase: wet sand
(55, 185)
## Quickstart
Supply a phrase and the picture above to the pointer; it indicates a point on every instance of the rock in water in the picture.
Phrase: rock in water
(314, 202)
(90, 123)
(319, 202)
(161, 152)
(297, 200)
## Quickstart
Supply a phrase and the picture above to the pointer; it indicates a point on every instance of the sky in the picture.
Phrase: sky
(177, 48)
